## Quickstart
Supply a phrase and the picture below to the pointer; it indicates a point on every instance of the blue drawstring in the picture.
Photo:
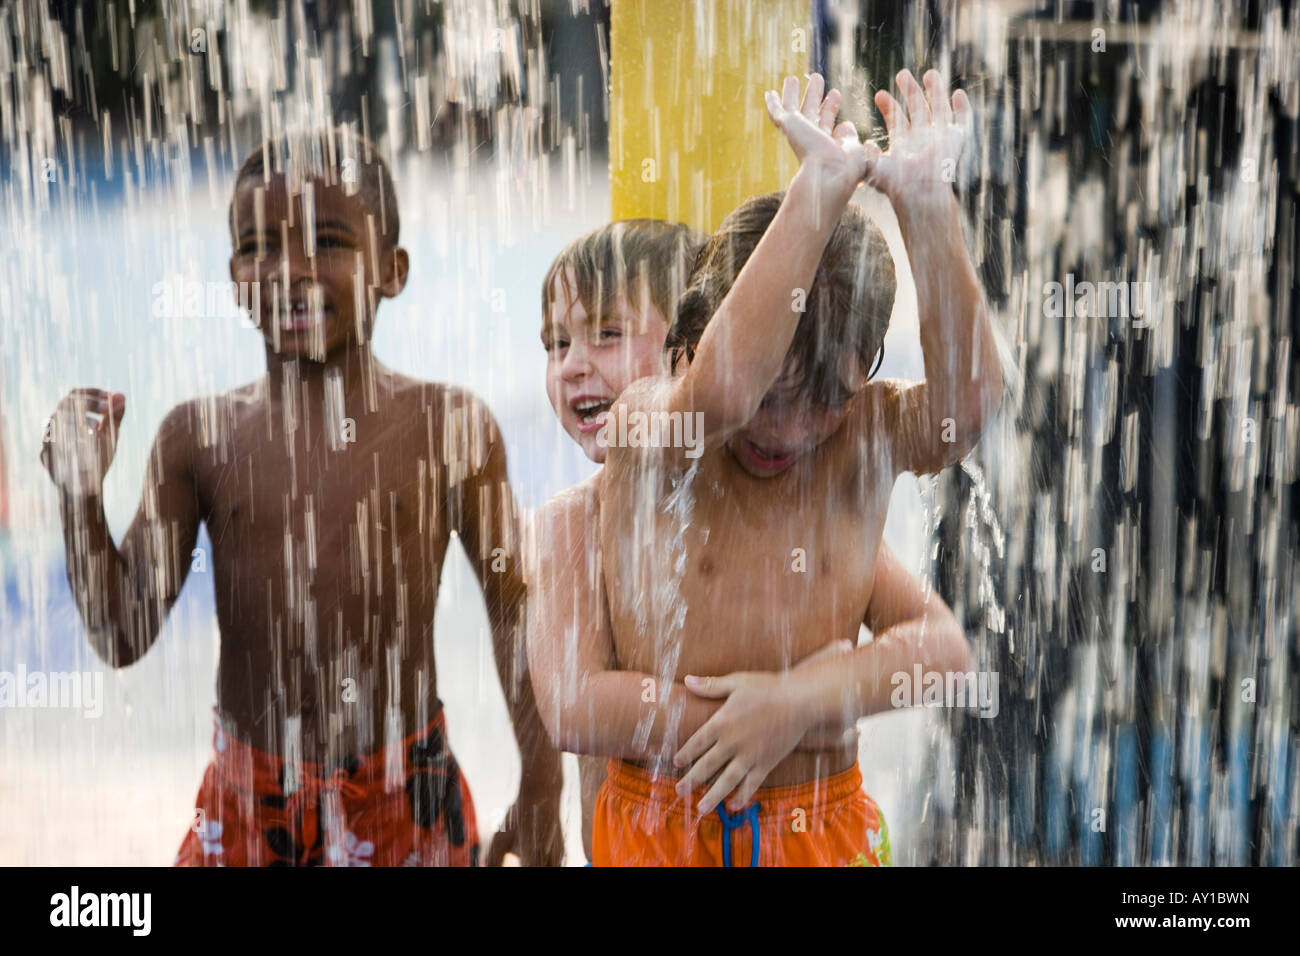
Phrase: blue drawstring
(730, 823)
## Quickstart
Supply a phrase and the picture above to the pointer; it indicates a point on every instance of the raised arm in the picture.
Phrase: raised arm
(936, 422)
(743, 347)
(588, 706)
(122, 593)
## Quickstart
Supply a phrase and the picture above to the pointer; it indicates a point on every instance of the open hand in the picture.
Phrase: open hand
(758, 725)
(81, 439)
(834, 152)
(531, 831)
(926, 139)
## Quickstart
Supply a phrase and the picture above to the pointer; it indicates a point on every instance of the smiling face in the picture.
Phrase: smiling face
(317, 284)
(789, 425)
(590, 363)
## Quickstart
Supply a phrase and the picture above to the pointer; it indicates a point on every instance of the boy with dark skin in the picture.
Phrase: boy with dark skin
(331, 489)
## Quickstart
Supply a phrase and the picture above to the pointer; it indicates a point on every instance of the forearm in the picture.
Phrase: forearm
(962, 367)
(629, 715)
(744, 346)
(537, 755)
(120, 624)
(836, 694)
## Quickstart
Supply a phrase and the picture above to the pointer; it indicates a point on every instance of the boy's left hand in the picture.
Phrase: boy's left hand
(531, 830)
(926, 139)
(761, 722)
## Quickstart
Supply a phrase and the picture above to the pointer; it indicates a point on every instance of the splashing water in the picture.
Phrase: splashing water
(1120, 548)
(1145, 468)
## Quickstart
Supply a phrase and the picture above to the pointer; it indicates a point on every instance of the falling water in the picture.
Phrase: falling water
(1129, 568)
(121, 127)
(1120, 547)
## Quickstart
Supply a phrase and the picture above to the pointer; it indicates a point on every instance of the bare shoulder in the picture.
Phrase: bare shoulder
(447, 400)
(454, 423)
(174, 442)
(402, 392)
(205, 420)
(647, 394)
(884, 397)
(572, 509)
(639, 431)
(177, 426)
(221, 421)
(900, 412)
(885, 405)
(875, 447)
(563, 531)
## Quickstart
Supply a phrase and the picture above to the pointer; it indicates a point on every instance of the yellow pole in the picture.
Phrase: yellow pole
(689, 137)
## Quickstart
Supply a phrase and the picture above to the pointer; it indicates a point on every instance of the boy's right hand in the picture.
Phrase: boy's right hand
(833, 153)
(81, 439)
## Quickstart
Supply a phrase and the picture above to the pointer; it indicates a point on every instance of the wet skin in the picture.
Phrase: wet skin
(740, 574)
(327, 553)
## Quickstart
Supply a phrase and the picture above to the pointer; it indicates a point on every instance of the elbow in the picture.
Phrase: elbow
(114, 646)
(725, 402)
(572, 743)
(558, 729)
(562, 729)
(570, 737)
(983, 402)
(964, 432)
(945, 646)
(577, 729)
(954, 648)
(562, 718)
(963, 659)
(559, 726)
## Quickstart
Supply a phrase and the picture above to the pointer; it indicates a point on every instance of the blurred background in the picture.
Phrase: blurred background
(1120, 547)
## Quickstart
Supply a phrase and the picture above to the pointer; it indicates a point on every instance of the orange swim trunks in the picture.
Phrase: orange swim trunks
(253, 809)
(640, 821)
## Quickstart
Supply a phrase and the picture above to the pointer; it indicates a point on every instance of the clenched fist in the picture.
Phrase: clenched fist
(81, 438)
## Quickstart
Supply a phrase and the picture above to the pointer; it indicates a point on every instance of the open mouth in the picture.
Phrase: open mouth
(591, 412)
(767, 459)
(300, 311)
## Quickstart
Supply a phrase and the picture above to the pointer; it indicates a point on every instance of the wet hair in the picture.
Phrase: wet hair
(846, 310)
(339, 157)
(630, 257)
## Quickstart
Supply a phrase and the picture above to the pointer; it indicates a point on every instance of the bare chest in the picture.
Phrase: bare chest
(742, 578)
(301, 530)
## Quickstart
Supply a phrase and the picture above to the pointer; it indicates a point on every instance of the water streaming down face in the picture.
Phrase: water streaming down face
(1120, 546)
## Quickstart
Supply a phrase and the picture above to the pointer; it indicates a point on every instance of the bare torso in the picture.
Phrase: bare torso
(326, 564)
(734, 573)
